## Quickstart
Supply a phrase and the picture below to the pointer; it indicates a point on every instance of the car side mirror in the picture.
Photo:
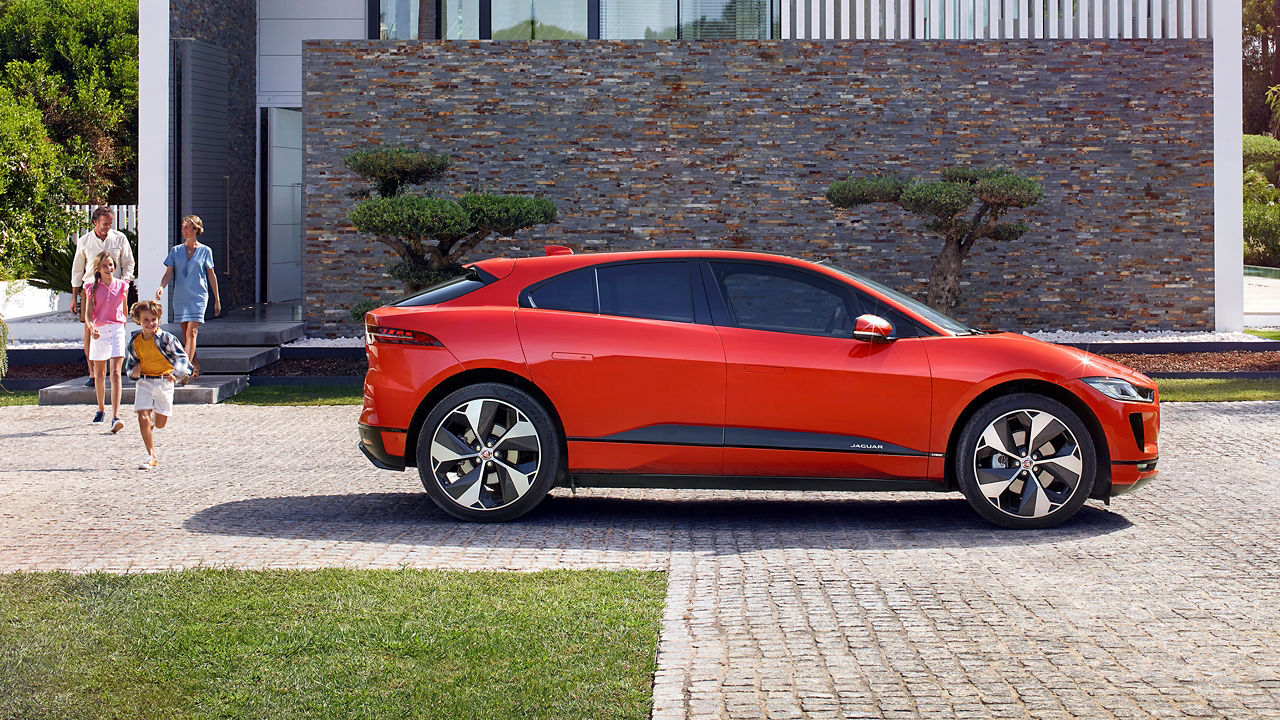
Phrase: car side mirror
(872, 328)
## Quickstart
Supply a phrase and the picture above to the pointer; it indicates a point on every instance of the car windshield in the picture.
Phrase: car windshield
(937, 318)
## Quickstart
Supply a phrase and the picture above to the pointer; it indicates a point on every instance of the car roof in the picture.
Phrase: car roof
(551, 264)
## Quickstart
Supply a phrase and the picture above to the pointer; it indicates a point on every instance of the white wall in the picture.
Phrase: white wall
(283, 25)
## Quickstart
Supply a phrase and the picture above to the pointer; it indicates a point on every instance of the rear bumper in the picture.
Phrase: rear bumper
(375, 449)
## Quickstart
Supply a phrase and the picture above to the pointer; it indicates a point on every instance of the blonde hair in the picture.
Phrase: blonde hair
(97, 265)
(141, 306)
(196, 223)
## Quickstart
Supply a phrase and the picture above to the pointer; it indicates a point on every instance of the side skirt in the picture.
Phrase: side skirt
(719, 482)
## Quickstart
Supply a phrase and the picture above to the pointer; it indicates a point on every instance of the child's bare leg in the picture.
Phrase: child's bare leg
(144, 427)
(160, 420)
(115, 386)
(99, 377)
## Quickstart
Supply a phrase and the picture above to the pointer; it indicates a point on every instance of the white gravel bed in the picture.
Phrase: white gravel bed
(1066, 336)
(327, 342)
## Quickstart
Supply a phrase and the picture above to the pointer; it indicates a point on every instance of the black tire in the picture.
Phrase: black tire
(993, 463)
(479, 470)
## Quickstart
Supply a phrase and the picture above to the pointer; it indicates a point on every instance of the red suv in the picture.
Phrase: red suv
(718, 369)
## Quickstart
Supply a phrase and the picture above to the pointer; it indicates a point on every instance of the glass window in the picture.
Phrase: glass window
(638, 19)
(659, 291)
(782, 300)
(461, 19)
(539, 20)
(724, 19)
(934, 316)
(574, 292)
(398, 19)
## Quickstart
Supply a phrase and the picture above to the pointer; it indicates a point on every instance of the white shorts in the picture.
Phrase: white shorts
(109, 343)
(154, 394)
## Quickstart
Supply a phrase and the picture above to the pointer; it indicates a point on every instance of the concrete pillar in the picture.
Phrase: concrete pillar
(153, 146)
(1228, 203)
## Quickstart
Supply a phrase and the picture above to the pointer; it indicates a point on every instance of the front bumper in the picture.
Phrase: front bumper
(373, 447)
(1129, 476)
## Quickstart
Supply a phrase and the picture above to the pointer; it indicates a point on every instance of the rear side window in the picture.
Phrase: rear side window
(573, 292)
(657, 291)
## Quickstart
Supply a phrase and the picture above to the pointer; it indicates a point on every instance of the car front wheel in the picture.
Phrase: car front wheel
(1025, 461)
(488, 453)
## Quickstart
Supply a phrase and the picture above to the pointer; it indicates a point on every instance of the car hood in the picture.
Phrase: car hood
(1068, 362)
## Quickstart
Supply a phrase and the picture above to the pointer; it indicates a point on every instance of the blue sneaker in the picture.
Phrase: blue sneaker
(99, 417)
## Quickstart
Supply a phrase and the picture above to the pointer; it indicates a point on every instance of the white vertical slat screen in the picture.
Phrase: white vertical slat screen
(994, 19)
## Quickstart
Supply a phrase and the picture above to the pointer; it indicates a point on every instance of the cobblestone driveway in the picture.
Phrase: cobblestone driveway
(780, 605)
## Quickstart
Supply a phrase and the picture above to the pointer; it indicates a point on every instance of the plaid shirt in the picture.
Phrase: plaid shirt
(168, 345)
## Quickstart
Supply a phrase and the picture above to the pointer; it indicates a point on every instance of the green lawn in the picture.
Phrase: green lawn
(300, 395)
(1209, 390)
(18, 397)
(329, 644)
(1268, 334)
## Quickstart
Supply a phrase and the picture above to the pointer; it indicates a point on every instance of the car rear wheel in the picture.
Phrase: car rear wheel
(1025, 461)
(488, 453)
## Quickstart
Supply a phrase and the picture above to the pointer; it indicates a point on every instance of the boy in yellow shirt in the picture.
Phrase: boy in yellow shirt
(156, 360)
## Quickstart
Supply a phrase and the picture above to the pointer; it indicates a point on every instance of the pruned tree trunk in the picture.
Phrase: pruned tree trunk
(944, 279)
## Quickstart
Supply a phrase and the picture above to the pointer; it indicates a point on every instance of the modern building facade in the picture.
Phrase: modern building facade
(687, 123)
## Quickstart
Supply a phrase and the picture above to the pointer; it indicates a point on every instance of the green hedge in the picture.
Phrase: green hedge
(1262, 234)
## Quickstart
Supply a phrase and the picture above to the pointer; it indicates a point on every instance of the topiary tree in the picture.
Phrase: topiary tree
(431, 234)
(991, 193)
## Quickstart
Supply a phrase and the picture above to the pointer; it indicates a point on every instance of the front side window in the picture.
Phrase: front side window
(658, 291)
(778, 299)
(539, 20)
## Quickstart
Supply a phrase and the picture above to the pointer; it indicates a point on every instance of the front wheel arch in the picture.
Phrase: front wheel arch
(1101, 483)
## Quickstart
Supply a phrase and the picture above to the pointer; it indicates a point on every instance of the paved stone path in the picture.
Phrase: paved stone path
(780, 605)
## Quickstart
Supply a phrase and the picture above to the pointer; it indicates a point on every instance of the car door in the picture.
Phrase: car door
(637, 381)
(804, 399)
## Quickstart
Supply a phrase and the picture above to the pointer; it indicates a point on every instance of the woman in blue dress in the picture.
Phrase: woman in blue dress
(190, 266)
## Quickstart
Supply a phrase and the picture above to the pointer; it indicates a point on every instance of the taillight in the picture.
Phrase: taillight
(396, 336)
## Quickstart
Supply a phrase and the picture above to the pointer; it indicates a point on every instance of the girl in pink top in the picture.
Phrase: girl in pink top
(106, 331)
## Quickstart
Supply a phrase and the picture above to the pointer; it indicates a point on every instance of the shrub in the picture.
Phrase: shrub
(358, 310)
(1262, 234)
(390, 169)
(412, 217)
(1261, 149)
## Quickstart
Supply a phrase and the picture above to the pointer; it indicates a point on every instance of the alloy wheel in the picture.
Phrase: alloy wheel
(1028, 463)
(485, 454)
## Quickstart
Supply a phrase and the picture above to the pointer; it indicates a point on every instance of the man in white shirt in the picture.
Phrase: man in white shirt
(102, 237)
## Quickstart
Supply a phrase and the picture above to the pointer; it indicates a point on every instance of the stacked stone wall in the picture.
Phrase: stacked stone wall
(667, 144)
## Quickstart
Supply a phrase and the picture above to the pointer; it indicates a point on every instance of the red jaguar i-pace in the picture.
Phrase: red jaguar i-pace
(720, 369)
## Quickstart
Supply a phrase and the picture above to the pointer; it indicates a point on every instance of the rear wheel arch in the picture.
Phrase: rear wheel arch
(1102, 482)
(461, 380)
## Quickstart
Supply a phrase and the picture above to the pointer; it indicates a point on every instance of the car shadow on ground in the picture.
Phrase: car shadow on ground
(643, 524)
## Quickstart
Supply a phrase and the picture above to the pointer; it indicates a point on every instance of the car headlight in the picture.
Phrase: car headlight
(1121, 390)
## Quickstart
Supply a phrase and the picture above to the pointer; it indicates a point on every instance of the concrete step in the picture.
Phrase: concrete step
(227, 332)
(206, 389)
(236, 359)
